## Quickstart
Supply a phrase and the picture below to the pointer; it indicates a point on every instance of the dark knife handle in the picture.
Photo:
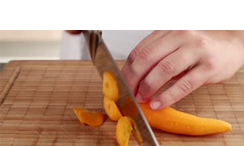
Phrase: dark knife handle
(93, 37)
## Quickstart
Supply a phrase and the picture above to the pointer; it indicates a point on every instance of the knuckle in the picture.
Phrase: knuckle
(201, 42)
(185, 86)
(145, 53)
(133, 55)
(210, 60)
(188, 34)
(210, 64)
(166, 66)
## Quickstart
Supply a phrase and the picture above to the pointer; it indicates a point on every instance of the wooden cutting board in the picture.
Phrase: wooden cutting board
(37, 98)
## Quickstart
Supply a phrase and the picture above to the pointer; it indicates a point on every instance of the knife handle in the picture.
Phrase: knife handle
(93, 37)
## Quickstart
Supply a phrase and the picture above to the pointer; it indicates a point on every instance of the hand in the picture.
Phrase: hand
(74, 32)
(199, 57)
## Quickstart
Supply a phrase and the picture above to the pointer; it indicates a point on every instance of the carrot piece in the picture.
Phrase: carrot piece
(174, 121)
(110, 86)
(111, 109)
(91, 118)
(136, 131)
(123, 131)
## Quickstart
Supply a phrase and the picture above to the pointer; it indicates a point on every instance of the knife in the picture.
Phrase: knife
(127, 103)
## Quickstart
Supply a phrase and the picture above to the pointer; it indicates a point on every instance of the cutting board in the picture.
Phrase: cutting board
(37, 98)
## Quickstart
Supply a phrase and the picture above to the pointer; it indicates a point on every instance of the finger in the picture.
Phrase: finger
(74, 32)
(148, 40)
(165, 70)
(191, 81)
(149, 57)
(180, 75)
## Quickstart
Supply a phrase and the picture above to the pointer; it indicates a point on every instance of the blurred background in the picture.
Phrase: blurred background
(29, 45)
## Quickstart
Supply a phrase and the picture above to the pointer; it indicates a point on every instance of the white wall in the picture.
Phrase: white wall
(30, 35)
(29, 45)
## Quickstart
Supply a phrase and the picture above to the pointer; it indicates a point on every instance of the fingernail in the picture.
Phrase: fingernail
(155, 105)
(139, 97)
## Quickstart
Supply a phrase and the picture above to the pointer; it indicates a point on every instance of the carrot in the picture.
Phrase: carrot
(110, 86)
(136, 131)
(174, 121)
(91, 118)
(123, 131)
(111, 109)
(168, 119)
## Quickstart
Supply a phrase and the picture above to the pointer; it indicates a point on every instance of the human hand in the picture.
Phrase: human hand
(74, 32)
(199, 57)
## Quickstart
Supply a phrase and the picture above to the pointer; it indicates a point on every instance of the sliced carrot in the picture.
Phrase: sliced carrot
(123, 131)
(174, 121)
(136, 131)
(110, 86)
(168, 119)
(91, 118)
(111, 109)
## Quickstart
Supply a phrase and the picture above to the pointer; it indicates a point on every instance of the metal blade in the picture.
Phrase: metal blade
(127, 103)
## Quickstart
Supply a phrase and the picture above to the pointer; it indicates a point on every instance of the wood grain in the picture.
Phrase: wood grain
(37, 110)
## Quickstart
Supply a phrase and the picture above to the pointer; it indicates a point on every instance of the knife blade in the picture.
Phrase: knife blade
(127, 103)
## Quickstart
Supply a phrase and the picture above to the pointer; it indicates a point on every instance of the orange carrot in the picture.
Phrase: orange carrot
(174, 121)
(91, 118)
(111, 109)
(110, 87)
(123, 131)
(136, 131)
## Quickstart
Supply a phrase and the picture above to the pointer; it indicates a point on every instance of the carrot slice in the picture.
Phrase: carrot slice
(110, 86)
(123, 131)
(136, 131)
(111, 109)
(174, 121)
(91, 118)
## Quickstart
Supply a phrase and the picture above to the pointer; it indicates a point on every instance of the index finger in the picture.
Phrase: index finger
(135, 52)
